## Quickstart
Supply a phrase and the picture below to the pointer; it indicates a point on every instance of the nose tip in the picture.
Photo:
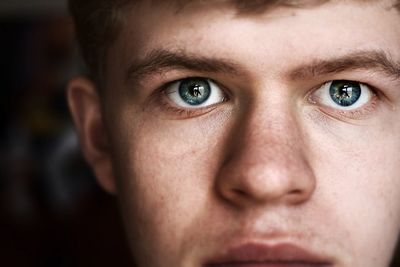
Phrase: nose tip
(266, 160)
(277, 178)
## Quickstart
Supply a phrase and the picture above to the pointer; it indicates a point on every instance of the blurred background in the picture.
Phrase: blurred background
(52, 213)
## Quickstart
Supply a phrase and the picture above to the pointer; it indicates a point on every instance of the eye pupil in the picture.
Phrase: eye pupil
(194, 91)
(345, 93)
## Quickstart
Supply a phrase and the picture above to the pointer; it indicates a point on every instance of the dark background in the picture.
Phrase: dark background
(52, 213)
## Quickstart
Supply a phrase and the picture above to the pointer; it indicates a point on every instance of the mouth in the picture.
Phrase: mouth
(261, 255)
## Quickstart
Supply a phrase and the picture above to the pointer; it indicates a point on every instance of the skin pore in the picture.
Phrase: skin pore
(269, 158)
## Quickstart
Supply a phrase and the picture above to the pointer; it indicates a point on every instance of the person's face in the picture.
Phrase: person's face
(228, 144)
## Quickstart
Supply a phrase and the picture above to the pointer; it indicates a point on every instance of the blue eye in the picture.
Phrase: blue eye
(194, 93)
(345, 93)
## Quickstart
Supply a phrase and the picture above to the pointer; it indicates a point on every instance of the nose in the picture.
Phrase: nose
(266, 162)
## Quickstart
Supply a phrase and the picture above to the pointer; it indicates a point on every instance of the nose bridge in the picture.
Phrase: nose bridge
(266, 161)
(267, 133)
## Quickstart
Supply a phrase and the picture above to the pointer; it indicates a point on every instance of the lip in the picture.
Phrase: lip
(262, 255)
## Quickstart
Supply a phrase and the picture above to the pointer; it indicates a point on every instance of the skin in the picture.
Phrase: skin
(272, 163)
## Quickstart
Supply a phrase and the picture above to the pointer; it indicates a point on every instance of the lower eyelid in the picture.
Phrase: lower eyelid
(175, 112)
(217, 94)
(356, 114)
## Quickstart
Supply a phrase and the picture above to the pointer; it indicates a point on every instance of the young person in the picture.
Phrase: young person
(245, 133)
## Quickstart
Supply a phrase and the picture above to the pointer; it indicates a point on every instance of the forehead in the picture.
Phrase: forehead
(177, 12)
(202, 22)
(259, 6)
(199, 28)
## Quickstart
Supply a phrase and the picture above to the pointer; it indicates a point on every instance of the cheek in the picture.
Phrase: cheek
(168, 168)
(359, 181)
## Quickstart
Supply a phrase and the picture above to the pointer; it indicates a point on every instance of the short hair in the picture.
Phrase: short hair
(98, 23)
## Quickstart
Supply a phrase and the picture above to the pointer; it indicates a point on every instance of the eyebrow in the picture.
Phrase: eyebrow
(377, 61)
(159, 60)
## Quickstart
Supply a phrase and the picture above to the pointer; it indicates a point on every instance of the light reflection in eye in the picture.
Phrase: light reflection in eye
(343, 95)
(194, 93)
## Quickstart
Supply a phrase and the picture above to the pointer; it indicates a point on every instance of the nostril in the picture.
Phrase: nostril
(295, 192)
(239, 192)
(260, 182)
(296, 197)
(235, 196)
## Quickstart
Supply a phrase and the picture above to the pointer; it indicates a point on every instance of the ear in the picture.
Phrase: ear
(85, 106)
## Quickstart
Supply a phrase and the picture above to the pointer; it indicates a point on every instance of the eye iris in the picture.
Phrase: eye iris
(194, 91)
(345, 93)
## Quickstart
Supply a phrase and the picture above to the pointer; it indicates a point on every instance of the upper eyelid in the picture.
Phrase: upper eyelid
(371, 87)
(320, 85)
(380, 83)
(227, 92)
(225, 89)
(229, 95)
(222, 90)
(311, 97)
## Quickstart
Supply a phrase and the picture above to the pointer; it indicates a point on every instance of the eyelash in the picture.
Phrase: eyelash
(186, 113)
(161, 98)
(357, 114)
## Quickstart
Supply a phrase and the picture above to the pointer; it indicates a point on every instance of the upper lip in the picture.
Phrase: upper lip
(285, 254)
